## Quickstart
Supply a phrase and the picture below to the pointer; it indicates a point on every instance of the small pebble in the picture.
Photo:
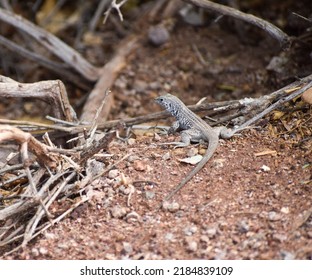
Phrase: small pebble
(273, 216)
(43, 251)
(118, 211)
(287, 255)
(35, 252)
(169, 236)
(140, 86)
(149, 194)
(191, 245)
(171, 207)
(158, 35)
(166, 156)
(279, 237)
(139, 165)
(132, 217)
(131, 141)
(242, 226)
(190, 230)
(285, 210)
(265, 168)
(133, 158)
(211, 232)
(112, 174)
(127, 248)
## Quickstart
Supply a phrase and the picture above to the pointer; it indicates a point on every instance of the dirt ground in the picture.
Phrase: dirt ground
(240, 206)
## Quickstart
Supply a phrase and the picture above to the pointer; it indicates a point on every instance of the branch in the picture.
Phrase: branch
(273, 30)
(26, 140)
(51, 92)
(52, 43)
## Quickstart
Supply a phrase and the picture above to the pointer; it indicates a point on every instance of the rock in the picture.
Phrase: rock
(139, 165)
(279, 237)
(133, 158)
(273, 216)
(133, 217)
(118, 211)
(149, 194)
(277, 64)
(287, 255)
(43, 251)
(131, 141)
(166, 156)
(265, 168)
(35, 252)
(190, 230)
(158, 35)
(171, 207)
(192, 15)
(191, 245)
(169, 236)
(112, 174)
(155, 85)
(140, 86)
(285, 210)
(127, 248)
(242, 226)
(211, 232)
(204, 238)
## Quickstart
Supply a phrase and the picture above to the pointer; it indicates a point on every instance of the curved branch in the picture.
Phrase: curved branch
(273, 30)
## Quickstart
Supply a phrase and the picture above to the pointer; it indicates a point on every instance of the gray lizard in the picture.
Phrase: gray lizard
(193, 129)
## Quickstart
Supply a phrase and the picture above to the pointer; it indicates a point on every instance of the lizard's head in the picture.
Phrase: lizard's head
(168, 101)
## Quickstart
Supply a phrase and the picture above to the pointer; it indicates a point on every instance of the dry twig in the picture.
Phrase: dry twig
(52, 43)
(274, 31)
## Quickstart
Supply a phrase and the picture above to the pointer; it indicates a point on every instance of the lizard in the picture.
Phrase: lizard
(193, 129)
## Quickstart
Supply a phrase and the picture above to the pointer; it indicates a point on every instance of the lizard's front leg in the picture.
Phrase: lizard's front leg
(174, 127)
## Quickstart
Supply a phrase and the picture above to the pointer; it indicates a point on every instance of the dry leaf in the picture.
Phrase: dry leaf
(266, 152)
(192, 160)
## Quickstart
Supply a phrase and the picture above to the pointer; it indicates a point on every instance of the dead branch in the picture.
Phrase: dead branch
(56, 67)
(268, 27)
(99, 11)
(107, 77)
(51, 92)
(45, 158)
(52, 43)
(115, 6)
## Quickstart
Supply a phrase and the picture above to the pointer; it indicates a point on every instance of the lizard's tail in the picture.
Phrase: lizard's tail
(213, 144)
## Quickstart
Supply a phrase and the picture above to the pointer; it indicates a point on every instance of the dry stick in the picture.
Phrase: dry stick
(273, 107)
(32, 225)
(115, 6)
(52, 92)
(58, 68)
(48, 225)
(98, 111)
(107, 77)
(94, 149)
(11, 168)
(52, 43)
(39, 149)
(99, 11)
(22, 206)
(274, 31)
